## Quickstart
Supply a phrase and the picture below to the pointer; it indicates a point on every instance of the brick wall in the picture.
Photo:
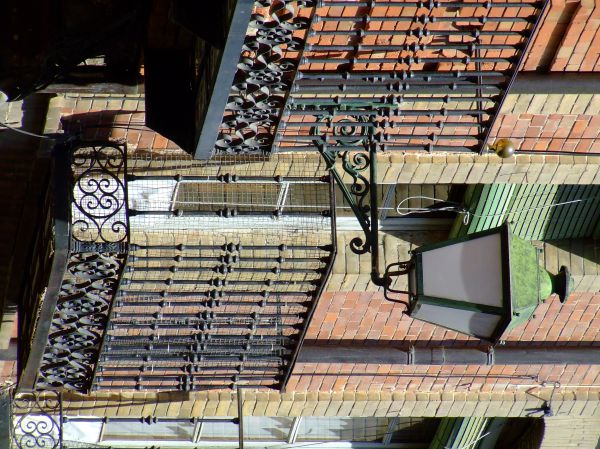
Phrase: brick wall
(568, 39)
(521, 402)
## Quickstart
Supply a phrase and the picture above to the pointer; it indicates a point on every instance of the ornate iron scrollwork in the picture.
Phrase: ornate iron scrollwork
(37, 421)
(99, 196)
(79, 320)
(98, 249)
(264, 77)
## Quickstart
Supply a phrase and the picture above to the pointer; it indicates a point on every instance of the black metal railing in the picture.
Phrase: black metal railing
(431, 77)
(264, 76)
(36, 420)
(185, 297)
(223, 310)
(90, 239)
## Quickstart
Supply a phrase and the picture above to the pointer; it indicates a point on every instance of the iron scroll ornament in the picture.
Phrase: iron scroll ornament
(362, 198)
(264, 77)
(79, 321)
(37, 421)
(99, 196)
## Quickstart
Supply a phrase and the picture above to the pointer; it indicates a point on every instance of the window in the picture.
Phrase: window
(160, 431)
(407, 207)
(342, 429)
(259, 431)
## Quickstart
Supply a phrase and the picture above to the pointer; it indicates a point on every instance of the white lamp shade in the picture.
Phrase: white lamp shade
(469, 271)
(479, 324)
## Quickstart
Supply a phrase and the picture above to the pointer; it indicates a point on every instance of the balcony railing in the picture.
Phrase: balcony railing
(405, 75)
(87, 238)
(168, 281)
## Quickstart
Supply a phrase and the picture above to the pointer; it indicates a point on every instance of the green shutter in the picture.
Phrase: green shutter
(455, 433)
(535, 211)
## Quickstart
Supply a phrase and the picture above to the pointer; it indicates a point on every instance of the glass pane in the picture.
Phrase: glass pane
(87, 431)
(264, 428)
(163, 430)
(472, 323)
(219, 431)
(411, 430)
(469, 271)
(342, 429)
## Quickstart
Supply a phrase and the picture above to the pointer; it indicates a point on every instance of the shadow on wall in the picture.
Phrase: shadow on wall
(576, 213)
(100, 125)
(585, 251)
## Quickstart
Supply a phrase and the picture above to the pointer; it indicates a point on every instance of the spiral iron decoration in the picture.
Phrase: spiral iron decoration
(265, 74)
(37, 421)
(79, 321)
(99, 197)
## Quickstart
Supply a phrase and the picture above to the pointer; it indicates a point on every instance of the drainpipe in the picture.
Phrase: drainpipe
(500, 355)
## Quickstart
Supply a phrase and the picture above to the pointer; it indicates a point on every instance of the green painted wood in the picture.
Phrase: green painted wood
(535, 211)
(456, 433)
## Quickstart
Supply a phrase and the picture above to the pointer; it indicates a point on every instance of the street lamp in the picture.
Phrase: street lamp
(481, 285)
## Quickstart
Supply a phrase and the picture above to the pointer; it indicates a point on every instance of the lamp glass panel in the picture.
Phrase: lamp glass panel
(469, 271)
(466, 321)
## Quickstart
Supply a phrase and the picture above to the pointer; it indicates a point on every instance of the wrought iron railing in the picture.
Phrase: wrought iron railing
(90, 240)
(222, 277)
(212, 286)
(36, 420)
(265, 73)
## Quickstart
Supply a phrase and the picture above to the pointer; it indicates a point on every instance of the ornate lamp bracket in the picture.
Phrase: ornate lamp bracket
(361, 166)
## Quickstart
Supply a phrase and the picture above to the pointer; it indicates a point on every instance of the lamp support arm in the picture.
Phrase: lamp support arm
(361, 197)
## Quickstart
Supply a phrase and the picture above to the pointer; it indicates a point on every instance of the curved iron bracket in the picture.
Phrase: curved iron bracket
(361, 197)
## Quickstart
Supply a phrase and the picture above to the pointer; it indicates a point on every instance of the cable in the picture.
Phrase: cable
(455, 207)
(27, 133)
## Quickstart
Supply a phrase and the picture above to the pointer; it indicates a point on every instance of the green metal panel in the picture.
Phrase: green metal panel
(487, 204)
(535, 211)
(456, 433)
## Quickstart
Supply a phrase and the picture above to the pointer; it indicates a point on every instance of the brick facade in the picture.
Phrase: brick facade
(353, 310)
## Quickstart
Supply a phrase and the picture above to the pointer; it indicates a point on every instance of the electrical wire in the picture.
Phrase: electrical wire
(456, 207)
(27, 133)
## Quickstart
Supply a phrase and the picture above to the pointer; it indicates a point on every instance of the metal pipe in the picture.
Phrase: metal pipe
(392, 100)
(386, 123)
(500, 355)
(216, 282)
(430, 4)
(223, 269)
(424, 19)
(384, 138)
(194, 368)
(411, 47)
(387, 147)
(215, 294)
(188, 357)
(171, 377)
(210, 303)
(409, 112)
(229, 213)
(168, 339)
(397, 75)
(372, 88)
(230, 247)
(229, 259)
(207, 315)
(228, 178)
(419, 32)
(202, 325)
(204, 348)
(404, 59)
